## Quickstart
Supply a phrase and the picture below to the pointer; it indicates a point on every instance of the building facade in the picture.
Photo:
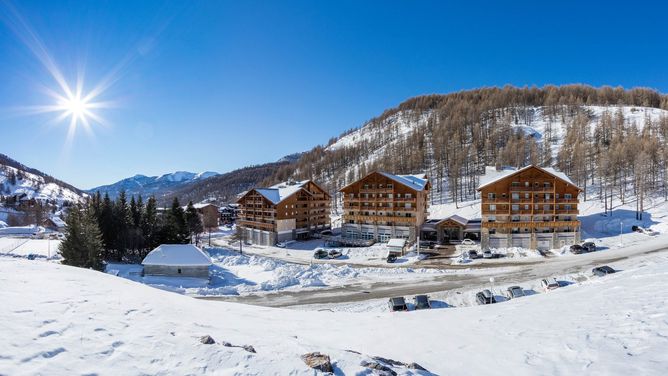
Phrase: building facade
(533, 207)
(285, 211)
(381, 206)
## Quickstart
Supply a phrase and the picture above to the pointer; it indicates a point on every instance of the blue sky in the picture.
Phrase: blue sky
(216, 85)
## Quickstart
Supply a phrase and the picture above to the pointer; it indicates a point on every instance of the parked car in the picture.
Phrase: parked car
(602, 271)
(427, 244)
(326, 232)
(391, 258)
(487, 254)
(473, 254)
(468, 242)
(334, 253)
(485, 297)
(589, 247)
(549, 284)
(515, 292)
(422, 302)
(397, 304)
(577, 249)
(320, 253)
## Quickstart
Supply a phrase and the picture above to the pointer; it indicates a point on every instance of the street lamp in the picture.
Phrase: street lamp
(491, 281)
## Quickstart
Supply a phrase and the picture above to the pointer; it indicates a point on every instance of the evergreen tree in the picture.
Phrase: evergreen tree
(194, 222)
(82, 245)
(149, 224)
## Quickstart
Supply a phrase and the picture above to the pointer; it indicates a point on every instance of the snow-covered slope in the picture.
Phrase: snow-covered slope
(153, 185)
(18, 180)
(614, 325)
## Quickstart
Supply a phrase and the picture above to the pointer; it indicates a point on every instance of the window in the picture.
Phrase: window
(567, 207)
(526, 207)
(492, 231)
(408, 195)
(568, 196)
(492, 208)
(366, 186)
(515, 184)
(491, 195)
(390, 186)
(491, 218)
(527, 196)
(547, 196)
(178, 270)
(398, 195)
(515, 207)
(546, 207)
(516, 196)
(546, 184)
(526, 183)
(516, 218)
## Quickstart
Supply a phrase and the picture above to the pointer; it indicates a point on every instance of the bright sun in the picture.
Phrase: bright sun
(75, 107)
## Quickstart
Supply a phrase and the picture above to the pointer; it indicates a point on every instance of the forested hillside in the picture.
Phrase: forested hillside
(609, 138)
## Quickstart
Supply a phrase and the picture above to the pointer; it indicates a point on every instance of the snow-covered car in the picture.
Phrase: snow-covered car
(602, 271)
(391, 258)
(468, 242)
(515, 292)
(487, 254)
(280, 245)
(334, 253)
(589, 247)
(485, 297)
(422, 302)
(472, 255)
(576, 249)
(320, 254)
(397, 304)
(549, 284)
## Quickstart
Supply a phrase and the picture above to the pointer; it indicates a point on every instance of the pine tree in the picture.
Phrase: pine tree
(82, 245)
(194, 222)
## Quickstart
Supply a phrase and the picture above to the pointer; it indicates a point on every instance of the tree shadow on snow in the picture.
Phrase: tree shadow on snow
(595, 225)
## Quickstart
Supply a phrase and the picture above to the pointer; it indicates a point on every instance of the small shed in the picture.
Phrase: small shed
(396, 245)
(177, 260)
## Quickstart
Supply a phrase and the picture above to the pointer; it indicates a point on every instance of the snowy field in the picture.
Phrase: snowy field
(235, 274)
(23, 247)
(616, 325)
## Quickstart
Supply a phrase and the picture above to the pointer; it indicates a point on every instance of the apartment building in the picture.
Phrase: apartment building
(533, 207)
(381, 206)
(286, 211)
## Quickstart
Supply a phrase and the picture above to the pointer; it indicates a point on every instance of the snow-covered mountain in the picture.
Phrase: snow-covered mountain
(19, 180)
(153, 185)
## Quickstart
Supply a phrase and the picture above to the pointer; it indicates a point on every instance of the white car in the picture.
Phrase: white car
(468, 242)
(549, 284)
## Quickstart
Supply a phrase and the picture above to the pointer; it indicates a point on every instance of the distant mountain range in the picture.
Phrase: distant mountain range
(158, 186)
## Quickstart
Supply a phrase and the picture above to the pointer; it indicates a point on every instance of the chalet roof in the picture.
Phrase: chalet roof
(417, 182)
(492, 175)
(201, 205)
(58, 221)
(281, 191)
(177, 255)
(456, 218)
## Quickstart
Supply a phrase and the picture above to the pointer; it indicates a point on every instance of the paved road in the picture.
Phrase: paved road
(374, 290)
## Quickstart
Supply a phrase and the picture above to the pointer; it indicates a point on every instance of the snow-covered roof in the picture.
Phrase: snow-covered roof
(457, 218)
(396, 243)
(281, 191)
(417, 182)
(58, 221)
(492, 175)
(200, 205)
(177, 255)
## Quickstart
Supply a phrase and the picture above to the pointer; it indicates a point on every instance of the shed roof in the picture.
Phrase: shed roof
(177, 255)
(396, 243)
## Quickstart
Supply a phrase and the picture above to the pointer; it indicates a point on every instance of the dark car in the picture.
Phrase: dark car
(320, 254)
(589, 246)
(334, 253)
(602, 271)
(422, 302)
(326, 232)
(391, 258)
(577, 249)
(397, 304)
(427, 244)
(485, 297)
(473, 255)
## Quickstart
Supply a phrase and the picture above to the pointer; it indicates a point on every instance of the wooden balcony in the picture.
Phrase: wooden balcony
(532, 224)
(378, 218)
(255, 224)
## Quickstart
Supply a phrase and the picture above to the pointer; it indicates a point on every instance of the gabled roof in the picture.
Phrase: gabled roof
(417, 182)
(279, 192)
(456, 218)
(492, 176)
(177, 255)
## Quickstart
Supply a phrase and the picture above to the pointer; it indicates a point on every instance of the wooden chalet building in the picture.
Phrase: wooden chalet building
(381, 206)
(533, 207)
(285, 211)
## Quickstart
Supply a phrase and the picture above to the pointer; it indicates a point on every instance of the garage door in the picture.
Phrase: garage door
(265, 238)
(522, 242)
(498, 243)
(544, 244)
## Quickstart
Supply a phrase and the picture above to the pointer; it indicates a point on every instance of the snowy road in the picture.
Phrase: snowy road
(526, 271)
